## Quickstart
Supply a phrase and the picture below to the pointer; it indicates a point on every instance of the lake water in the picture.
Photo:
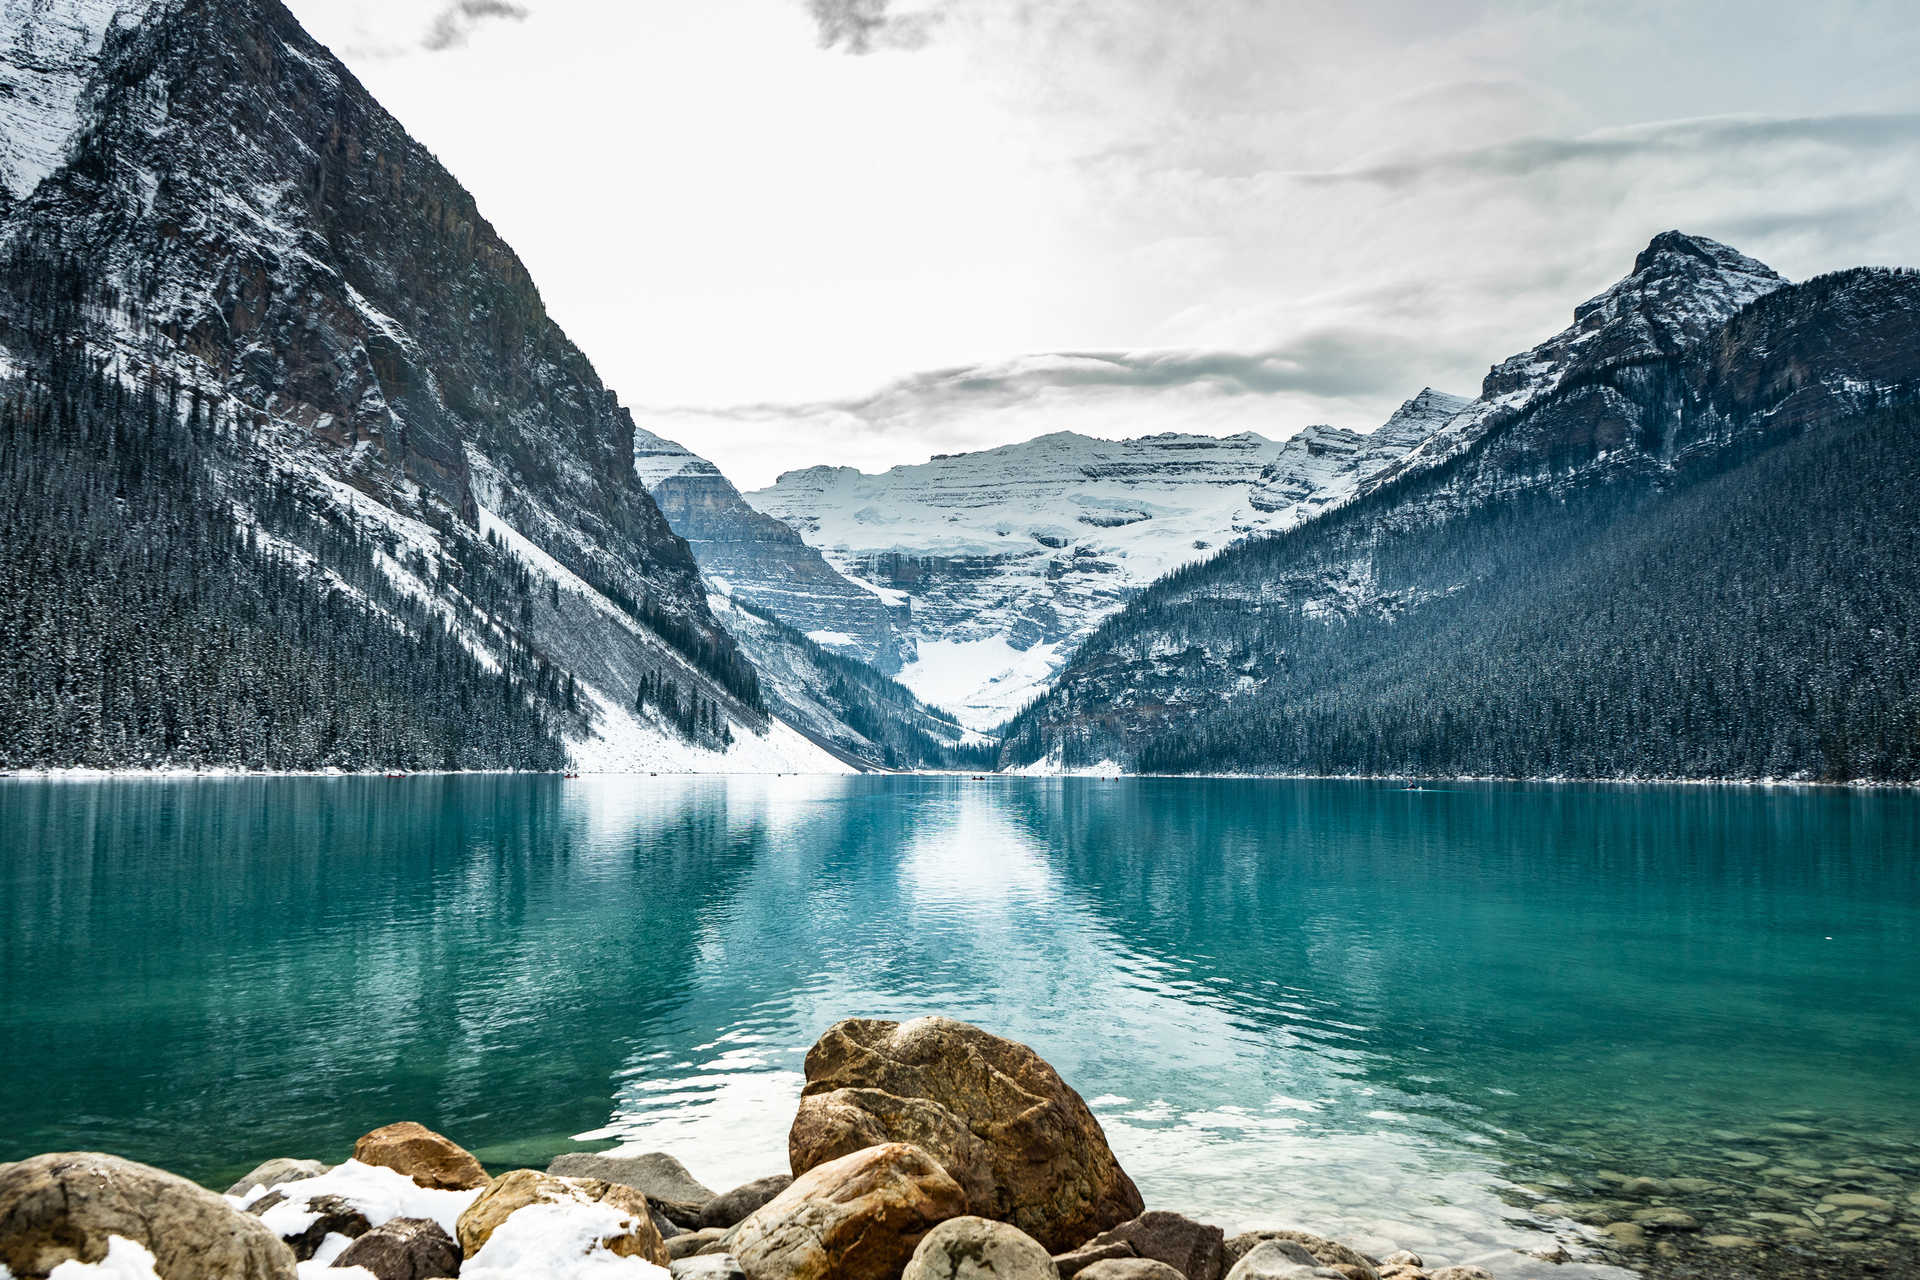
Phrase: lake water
(1449, 1020)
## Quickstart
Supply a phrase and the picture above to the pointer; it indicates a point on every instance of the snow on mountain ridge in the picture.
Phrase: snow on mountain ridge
(1010, 556)
(48, 52)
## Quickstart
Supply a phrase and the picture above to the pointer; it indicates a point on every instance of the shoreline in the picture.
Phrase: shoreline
(1412, 783)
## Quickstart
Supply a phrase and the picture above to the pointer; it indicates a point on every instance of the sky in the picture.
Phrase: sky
(862, 232)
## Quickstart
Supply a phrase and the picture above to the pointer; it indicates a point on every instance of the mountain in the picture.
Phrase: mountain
(1679, 539)
(821, 643)
(998, 563)
(298, 471)
(758, 561)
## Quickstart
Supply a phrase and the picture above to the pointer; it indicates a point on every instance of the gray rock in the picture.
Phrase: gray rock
(1277, 1260)
(730, 1208)
(272, 1173)
(1194, 1249)
(708, 1266)
(404, 1249)
(1324, 1252)
(1130, 1269)
(1072, 1264)
(969, 1248)
(689, 1243)
(66, 1206)
(658, 1174)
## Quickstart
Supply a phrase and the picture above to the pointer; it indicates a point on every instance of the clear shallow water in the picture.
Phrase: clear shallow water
(1333, 1005)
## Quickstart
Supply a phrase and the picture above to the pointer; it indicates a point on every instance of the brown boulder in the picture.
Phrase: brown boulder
(1020, 1142)
(68, 1206)
(1194, 1249)
(404, 1249)
(423, 1155)
(513, 1191)
(859, 1217)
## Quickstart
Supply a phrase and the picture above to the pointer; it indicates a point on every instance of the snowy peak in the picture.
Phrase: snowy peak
(656, 458)
(1682, 289)
(48, 52)
(1323, 466)
(1420, 417)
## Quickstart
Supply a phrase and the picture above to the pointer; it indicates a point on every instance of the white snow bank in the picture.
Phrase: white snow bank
(126, 1260)
(559, 1241)
(380, 1194)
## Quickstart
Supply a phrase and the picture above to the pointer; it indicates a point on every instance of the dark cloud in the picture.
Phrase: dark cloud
(1529, 157)
(1331, 364)
(454, 25)
(861, 26)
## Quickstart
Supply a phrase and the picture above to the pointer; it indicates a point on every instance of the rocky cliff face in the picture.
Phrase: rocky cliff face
(759, 561)
(204, 199)
(998, 563)
(1613, 562)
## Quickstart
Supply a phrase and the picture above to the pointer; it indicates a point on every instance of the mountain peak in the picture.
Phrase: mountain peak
(1682, 280)
(1671, 248)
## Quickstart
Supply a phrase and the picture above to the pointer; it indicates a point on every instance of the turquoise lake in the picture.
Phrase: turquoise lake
(1451, 1020)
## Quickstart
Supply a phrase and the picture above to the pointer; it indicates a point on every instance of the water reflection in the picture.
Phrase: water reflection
(1335, 1005)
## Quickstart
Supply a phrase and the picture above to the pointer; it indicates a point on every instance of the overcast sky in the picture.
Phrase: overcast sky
(800, 231)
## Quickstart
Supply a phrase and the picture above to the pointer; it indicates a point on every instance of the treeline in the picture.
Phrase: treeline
(145, 622)
(698, 719)
(1758, 619)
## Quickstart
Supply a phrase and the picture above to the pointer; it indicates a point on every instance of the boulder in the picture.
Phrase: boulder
(1404, 1258)
(1277, 1260)
(423, 1155)
(1325, 1253)
(730, 1208)
(511, 1192)
(689, 1243)
(69, 1206)
(972, 1248)
(712, 1266)
(332, 1215)
(666, 1182)
(1460, 1273)
(272, 1173)
(1130, 1269)
(859, 1217)
(1021, 1143)
(404, 1249)
(1192, 1248)
(1073, 1263)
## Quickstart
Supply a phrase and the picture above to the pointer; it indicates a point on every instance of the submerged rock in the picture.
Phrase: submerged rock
(523, 1188)
(404, 1249)
(69, 1206)
(1194, 1249)
(730, 1208)
(423, 1155)
(859, 1217)
(1022, 1145)
(971, 1248)
(271, 1173)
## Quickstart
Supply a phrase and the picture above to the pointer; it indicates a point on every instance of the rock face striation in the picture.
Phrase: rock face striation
(998, 563)
(318, 378)
(1607, 565)
(1019, 1141)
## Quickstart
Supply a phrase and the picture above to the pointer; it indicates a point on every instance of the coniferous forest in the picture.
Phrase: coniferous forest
(142, 623)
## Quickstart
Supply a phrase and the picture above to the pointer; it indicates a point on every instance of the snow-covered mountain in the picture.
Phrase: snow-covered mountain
(326, 449)
(999, 562)
(1676, 539)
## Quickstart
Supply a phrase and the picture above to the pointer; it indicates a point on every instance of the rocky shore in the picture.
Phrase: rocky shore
(925, 1150)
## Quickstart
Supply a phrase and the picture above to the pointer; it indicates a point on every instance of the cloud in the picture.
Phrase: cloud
(861, 26)
(1529, 157)
(454, 25)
